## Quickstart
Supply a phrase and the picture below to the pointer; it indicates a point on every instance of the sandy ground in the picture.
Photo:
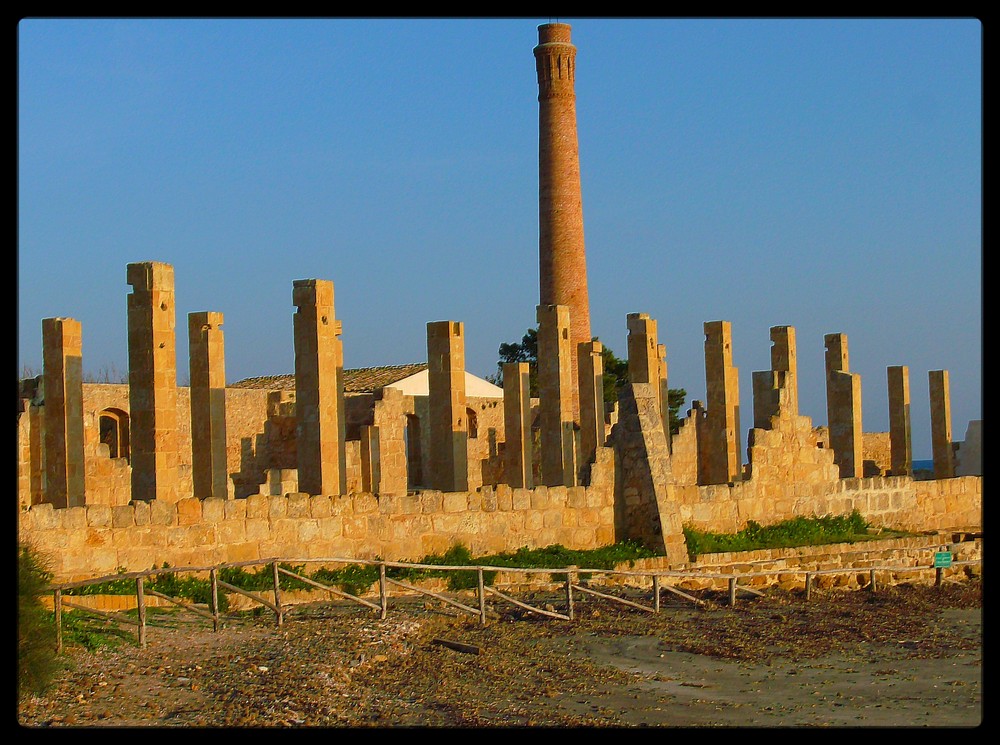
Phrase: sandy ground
(874, 686)
(901, 657)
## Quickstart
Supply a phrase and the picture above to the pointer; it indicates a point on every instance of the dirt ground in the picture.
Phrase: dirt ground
(904, 656)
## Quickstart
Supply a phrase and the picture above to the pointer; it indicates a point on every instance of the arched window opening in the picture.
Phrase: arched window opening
(473, 423)
(113, 425)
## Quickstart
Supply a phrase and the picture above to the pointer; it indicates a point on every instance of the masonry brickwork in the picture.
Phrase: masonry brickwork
(152, 367)
(206, 351)
(562, 256)
(843, 407)
(941, 444)
(900, 435)
(319, 389)
(590, 364)
(556, 382)
(65, 469)
(449, 468)
(314, 471)
(518, 471)
(723, 416)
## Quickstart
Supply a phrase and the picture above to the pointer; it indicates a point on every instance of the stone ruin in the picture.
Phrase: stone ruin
(321, 464)
(440, 466)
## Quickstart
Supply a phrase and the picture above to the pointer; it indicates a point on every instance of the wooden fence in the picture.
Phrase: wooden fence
(659, 580)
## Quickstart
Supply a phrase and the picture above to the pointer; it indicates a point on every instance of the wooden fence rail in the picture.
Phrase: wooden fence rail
(660, 581)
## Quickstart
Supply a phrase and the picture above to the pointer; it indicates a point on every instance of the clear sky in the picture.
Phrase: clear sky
(820, 173)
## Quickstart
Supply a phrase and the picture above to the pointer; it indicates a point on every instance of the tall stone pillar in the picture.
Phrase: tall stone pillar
(661, 356)
(562, 259)
(152, 382)
(555, 386)
(319, 389)
(647, 362)
(843, 408)
(389, 436)
(941, 446)
(725, 461)
(900, 445)
(449, 446)
(776, 389)
(207, 361)
(590, 357)
(62, 359)
(517, 425)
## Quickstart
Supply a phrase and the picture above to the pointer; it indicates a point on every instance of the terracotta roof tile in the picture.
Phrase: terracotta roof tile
(358, 380)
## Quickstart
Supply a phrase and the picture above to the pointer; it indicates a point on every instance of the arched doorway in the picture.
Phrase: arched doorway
(113, 424)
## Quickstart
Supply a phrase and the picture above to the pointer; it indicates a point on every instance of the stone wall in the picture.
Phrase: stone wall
(84, 542)
(260, 439)
(886, 501)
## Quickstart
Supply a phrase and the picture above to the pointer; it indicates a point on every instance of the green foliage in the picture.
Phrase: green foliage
(675, 400)
(526, 351)
(92, 633)
(190, 588)
(798, 531)
(37, 663)
(615, 373)
(353, 579)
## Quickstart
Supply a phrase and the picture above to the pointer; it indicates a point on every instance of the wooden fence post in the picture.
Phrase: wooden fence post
(732, 591)
(809, 578)
(383, 591)
(482, 597)
(57, 608)
(570, 576)
(871, 580)
(214, 577)
(938, 576)
(656, 593)
(140, 605)
(279, 619)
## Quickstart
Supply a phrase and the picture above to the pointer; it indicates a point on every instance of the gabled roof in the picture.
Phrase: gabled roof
(358, 380)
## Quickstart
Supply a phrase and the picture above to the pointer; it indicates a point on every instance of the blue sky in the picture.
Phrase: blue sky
(819, 173)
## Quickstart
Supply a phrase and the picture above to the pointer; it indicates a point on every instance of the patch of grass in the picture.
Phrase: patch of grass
(798, 531)
(37, 663)
(91, 632)
(190, 588)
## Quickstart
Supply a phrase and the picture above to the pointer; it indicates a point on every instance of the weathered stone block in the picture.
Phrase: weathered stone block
(455, 502)
(189, 511)
(297, 505)
(257, 506)
(122, 516)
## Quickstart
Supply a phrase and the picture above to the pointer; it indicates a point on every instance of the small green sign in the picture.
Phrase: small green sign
(942, 559)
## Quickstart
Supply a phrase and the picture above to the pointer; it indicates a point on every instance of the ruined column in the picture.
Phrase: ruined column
(517, 425)
(555, 386)
(725, 462)
(319, 389)
(661, 356)
(776, 389)
(370, 473)
(449, 445)
(591, 375)
(843, 408)
(562, 258)
(900, 445)
(206, 353)
(941, 446)
(152, 382)
(389, 415)
(62, 360)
